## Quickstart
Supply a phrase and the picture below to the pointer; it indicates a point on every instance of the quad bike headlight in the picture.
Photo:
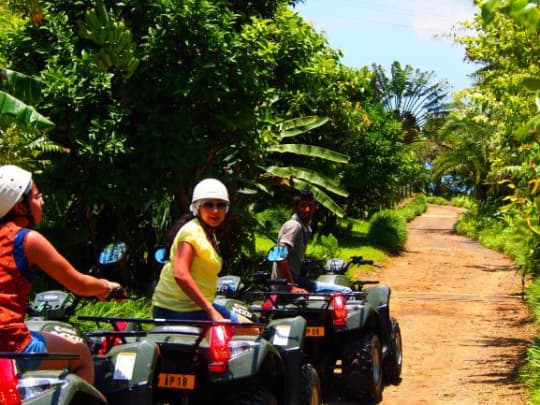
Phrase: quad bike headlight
(31, 387)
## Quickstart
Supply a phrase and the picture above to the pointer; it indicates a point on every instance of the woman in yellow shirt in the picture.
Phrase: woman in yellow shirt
(188, 280)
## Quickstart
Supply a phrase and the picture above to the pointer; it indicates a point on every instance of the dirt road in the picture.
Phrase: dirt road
(465, 327)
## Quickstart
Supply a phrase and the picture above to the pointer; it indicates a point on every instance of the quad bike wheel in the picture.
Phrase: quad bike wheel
(394, 358)
(325, 370)
(362, 368)
(310, 389)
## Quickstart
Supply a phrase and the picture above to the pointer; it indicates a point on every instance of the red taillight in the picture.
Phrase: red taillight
(340, 310)
(270, 302)
(220, 335)
(8, 383)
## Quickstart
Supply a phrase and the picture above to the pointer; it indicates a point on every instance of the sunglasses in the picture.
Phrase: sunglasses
(210, 205)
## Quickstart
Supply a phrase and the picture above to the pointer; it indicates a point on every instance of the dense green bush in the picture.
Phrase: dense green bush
(462, 201)
(388, 229)
(437, 200)
(416, 207)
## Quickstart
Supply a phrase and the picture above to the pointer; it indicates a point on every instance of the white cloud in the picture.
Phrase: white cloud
(439, 16)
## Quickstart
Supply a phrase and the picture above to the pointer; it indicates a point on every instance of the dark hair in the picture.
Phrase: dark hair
(169, 236)
(303, 195)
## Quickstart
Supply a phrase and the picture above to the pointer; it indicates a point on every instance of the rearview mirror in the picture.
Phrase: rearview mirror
(112, 253)
(277, 253)
(160, 255)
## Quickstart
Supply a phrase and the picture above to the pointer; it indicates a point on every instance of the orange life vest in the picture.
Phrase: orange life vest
(15, 285)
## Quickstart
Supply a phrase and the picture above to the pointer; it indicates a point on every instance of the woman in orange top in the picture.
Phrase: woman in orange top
(23, 251)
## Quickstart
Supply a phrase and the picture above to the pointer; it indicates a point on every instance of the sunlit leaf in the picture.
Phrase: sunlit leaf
(321, 197)
(20, 85)
(311, 151)
(14, 110)
(299, 126)
(308, 175)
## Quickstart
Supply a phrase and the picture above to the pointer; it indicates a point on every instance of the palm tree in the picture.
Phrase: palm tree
(464, 147)
(412, 96)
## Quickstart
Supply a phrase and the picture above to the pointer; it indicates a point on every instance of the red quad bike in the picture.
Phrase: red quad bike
(353, 330)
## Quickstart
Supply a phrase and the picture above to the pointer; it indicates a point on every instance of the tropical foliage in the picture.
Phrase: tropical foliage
(149, 98)
(412, 95)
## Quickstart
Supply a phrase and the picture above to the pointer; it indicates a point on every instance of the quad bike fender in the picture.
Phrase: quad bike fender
(378, 296)
(360, 316)
(62, 329)
(134, 362)
(126, 372)
(289, 336)
(275, 353)
(287, 333)
(252, 356)
(337, 279)
(73, 389)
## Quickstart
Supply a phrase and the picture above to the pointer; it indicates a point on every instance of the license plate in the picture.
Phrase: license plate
(315, 331)
(178, 381)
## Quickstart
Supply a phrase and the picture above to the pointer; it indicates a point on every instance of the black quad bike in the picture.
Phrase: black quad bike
(353, 330)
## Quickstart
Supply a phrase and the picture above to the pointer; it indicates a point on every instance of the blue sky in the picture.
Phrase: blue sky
(382, 31)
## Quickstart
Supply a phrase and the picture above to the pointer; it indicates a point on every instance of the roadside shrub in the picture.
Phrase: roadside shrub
(388, 230)
(462, 201)
(414, 208)
(323, 247)
(437, 200)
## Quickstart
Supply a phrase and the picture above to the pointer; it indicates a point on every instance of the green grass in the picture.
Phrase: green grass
(351, 241)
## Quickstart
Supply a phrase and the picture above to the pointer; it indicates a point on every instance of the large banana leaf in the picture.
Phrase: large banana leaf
(20, 85)
(311, 151)
(14, 110)
(321, 197)
(309, 176)
(299, 126)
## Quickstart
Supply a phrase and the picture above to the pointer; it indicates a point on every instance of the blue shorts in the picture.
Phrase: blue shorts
(36, 345)
(162, 313)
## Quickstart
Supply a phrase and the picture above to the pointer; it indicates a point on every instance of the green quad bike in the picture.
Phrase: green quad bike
(354, 329)
(205, 362)
(44, 387)
(50, 311)
(161, 361)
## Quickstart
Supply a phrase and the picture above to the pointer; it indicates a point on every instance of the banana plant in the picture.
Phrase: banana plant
(300, 177)
(17, 92)
(23, 130)
(116, 49)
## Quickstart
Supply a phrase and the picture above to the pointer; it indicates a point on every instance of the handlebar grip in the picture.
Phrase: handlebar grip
(117, 293)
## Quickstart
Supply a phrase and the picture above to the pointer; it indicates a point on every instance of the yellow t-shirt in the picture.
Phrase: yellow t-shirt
(204, 269)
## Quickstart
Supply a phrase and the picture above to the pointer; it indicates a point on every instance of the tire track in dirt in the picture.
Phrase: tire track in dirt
(465, 326)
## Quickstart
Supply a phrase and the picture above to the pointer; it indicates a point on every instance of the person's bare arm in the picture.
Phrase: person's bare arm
(285, 272)
(42, 253)
(182, 275)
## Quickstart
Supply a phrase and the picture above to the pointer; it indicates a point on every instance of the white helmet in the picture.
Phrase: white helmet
(14, 182)
(208, 189)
